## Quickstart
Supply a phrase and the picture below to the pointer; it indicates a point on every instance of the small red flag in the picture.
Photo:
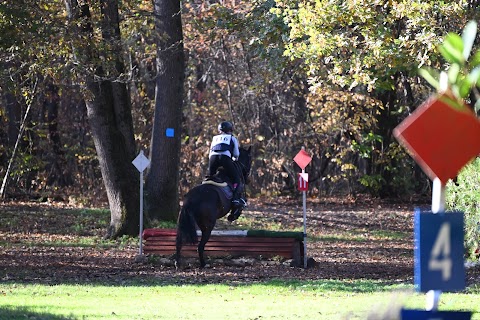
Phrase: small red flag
(302, 159)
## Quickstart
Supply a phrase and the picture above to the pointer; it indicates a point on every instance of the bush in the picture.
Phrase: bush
(463, 195)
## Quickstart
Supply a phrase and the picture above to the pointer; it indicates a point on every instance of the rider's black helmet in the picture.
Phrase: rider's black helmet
(226, 127)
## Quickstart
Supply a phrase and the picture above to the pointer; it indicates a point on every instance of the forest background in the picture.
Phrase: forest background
(335, 77)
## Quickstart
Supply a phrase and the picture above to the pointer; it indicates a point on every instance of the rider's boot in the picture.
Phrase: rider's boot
(238, 203)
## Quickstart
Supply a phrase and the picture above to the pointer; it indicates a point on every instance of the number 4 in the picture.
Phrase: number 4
(440, 256)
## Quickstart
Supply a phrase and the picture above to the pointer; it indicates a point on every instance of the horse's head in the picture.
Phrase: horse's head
(245, 160)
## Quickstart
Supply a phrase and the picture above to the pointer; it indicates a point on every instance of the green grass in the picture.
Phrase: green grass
(324, 299)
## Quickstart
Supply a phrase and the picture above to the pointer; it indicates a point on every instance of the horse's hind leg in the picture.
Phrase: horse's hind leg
(201, 246)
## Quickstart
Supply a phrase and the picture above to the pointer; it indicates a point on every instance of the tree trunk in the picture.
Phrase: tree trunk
(387, 120)
(59, 173)
(110, 119)
(14, 110)
(162, 177)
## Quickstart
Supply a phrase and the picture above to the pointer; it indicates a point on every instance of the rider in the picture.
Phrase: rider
(224, 146)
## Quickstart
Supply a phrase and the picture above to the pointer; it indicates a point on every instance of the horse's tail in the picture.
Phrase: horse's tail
(186, 227)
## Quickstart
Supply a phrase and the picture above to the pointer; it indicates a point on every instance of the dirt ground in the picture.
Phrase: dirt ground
(348, 240)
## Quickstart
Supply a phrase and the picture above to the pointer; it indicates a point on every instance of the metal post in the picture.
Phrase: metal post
(141, 163)
(438, 205)
(141, 213)
(438, 196)
(304, 227)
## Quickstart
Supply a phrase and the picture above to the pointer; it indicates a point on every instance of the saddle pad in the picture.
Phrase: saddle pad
(218, 184)
(226, 191)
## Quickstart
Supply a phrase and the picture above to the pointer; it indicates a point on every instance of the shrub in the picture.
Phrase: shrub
(463, 195)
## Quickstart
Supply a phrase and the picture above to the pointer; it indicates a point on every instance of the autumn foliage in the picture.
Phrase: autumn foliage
(333, 77)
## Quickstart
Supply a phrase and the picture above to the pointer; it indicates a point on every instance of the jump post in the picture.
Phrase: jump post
(230, 243)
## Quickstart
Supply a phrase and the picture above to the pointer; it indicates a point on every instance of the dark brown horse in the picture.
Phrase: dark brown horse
(206, 203)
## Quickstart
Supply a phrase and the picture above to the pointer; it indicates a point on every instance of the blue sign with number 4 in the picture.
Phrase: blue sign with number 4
(434, 315)
(439, 251)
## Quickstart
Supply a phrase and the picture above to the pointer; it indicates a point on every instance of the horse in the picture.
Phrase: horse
(206, 203)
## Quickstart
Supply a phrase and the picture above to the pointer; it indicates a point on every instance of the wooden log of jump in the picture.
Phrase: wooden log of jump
(235, 243)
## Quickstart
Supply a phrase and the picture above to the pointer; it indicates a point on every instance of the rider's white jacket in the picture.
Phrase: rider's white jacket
(225, 144)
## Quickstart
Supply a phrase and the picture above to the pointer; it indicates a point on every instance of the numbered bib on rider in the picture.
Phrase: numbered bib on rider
(439, 263)
(222, 142)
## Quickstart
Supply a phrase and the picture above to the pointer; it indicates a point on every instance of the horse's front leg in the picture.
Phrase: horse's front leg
(201, 246)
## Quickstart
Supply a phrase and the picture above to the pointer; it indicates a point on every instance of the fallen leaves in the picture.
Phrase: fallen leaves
(347, 240)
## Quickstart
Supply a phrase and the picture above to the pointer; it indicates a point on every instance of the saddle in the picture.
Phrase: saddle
(224, 190)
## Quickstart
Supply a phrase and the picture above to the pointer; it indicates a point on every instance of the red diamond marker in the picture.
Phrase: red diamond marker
(302, 159)
(440, 139)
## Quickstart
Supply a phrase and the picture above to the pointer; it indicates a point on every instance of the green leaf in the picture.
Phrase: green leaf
(454, 88)
(464, 87)
(453, 72)
(476, 59)
(447, 55)
(453, 102)
(455, 41)
(443, 81)
(452, 48)
(431, 76)
(468, 37)
(474, 75)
